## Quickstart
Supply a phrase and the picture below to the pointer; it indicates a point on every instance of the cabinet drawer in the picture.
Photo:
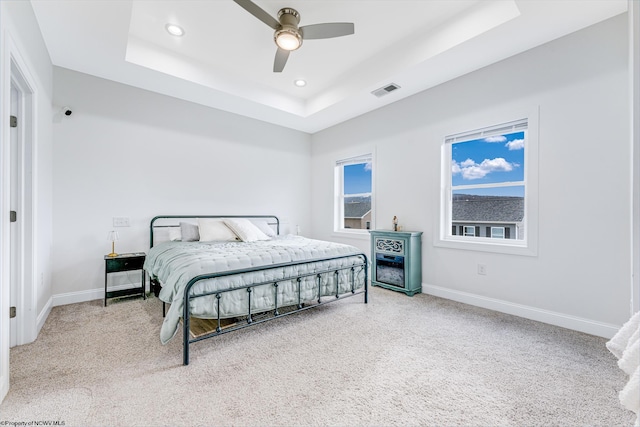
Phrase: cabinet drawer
(124, 264)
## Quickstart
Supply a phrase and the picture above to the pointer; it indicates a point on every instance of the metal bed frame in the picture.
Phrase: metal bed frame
(250, 317)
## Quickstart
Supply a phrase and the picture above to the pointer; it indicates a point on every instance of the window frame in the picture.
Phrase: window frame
(338, 220)
(529, 246)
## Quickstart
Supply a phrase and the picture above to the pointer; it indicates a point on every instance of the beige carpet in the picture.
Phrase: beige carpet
(396, 361)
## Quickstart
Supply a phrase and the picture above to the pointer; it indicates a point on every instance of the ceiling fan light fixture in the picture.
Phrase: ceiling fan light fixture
(288, 39)
(288, 35)
(174, 30)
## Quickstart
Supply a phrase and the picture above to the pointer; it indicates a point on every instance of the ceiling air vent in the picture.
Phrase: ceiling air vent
(385, 90)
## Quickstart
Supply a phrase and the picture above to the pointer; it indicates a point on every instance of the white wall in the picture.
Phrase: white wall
(634, 81)
(129, 152)
(580, 277)
(22, 44)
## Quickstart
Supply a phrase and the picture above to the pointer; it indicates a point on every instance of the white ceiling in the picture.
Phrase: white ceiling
(225, 59)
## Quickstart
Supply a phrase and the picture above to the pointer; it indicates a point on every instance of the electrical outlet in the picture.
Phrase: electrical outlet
(121, 221)
(482, 269)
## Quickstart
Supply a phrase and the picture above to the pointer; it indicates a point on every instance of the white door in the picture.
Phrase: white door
(18, 244)
(14, 207)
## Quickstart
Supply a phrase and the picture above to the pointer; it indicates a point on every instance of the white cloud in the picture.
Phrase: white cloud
(368, 166)
(471, 170)
(497, 138)
(516, 144)
(455, 168)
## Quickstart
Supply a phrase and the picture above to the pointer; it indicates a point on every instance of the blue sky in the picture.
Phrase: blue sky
(494, 159)
(357, 178)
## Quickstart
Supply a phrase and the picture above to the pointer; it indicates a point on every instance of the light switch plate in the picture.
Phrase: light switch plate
(121, 221)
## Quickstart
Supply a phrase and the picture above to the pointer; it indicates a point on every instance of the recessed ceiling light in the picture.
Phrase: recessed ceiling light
(174, 30)
(300, 82)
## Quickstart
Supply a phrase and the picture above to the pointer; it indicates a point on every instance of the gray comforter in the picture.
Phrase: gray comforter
(175, 263)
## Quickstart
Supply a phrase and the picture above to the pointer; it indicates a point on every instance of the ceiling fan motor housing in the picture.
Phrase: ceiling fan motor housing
(288, 16)
(289, 20)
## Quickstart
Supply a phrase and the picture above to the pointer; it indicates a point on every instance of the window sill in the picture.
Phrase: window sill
(360, 235)
(486, 245)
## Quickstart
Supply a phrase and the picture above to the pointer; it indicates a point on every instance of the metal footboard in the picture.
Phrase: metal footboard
(355, 268)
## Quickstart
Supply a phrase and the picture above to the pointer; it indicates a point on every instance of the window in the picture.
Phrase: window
(497, 233)
(488, 189)
(469, 230)
(353, 190)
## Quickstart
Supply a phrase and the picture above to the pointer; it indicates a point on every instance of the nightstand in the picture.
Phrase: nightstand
(120, 263)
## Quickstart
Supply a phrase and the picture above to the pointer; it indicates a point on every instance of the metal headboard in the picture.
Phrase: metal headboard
(274, 221)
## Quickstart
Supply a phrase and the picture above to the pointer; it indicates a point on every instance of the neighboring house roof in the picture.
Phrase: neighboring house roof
(472, 208)
(356, 207)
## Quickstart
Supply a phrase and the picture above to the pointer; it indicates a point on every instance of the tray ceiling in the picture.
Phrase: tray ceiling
(225, 58)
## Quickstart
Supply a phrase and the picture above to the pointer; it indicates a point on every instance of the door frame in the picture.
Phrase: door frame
(24, 258)
(15, 71)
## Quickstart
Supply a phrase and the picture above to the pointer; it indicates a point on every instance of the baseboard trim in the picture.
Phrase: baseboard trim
(42, 317)
(84, 296)
(588, 326)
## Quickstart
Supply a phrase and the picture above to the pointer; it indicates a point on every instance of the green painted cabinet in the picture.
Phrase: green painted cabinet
(396, 260)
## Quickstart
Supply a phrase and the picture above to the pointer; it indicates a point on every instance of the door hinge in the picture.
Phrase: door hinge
(13, 216)
(13, 121)
(12, 312)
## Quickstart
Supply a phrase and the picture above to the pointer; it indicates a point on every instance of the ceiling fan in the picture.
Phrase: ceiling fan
(288, 36)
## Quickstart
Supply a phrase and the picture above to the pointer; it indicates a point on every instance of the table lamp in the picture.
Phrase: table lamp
(112, 237)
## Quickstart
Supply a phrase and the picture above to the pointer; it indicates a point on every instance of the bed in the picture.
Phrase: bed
(221, 273)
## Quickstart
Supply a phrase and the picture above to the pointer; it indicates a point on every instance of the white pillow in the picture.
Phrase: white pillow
(189, 232)
(174, 234)
(212, 229)
(264, 226)
(161, 234)
(245, 229)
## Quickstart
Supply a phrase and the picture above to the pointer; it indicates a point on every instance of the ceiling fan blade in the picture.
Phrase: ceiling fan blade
(280, 60)
(259, 13)
(327, 31)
